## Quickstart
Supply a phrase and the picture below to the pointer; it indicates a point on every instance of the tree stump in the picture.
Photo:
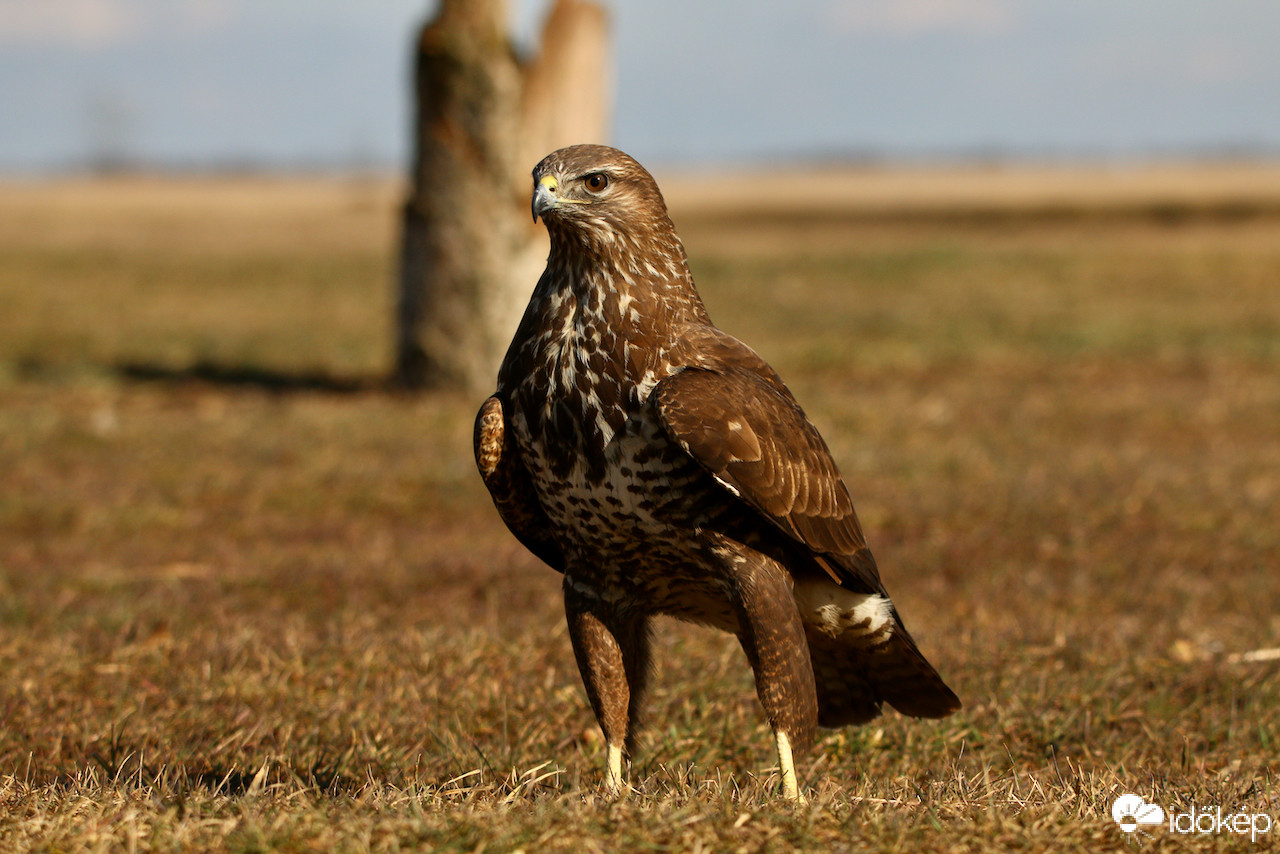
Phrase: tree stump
(470, 253)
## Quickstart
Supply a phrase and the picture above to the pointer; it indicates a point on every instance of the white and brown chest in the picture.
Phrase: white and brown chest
(603, 467)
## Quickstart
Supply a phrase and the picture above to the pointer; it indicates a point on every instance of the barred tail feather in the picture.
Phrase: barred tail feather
(853, 680)
(863, 657)
(907, 681)
(845, 696)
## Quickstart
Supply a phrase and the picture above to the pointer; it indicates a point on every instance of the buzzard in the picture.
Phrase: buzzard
(664, 468)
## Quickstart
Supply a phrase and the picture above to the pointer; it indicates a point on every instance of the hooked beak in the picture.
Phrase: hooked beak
(544, 196)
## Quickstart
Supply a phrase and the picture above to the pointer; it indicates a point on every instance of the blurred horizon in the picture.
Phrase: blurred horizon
(213, 86)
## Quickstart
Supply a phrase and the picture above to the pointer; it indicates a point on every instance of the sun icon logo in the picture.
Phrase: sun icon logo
(1131, 812)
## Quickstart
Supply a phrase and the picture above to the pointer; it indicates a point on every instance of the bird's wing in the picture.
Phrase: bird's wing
(742, 425)
(498, 460)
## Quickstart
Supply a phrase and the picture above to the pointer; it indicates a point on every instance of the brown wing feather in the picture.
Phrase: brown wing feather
(746, 429)
(498, 460)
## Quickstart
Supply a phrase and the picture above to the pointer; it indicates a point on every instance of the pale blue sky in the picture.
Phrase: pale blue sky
(200, 82)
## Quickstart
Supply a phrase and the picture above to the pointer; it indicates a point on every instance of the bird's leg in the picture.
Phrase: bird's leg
(613, 770)
(613, 658)
(790, 785)
(599, 659)
(773, 638)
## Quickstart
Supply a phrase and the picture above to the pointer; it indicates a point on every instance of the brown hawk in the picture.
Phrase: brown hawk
(664, 468)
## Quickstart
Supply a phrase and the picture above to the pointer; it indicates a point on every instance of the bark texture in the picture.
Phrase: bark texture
(470, 253)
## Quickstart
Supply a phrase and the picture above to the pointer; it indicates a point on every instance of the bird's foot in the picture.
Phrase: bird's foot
(790, 783)
(613, 785)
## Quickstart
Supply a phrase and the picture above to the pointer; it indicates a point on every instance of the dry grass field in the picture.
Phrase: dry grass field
(250, 600)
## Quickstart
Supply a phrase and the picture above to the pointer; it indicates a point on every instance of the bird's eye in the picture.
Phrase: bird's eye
(596, 181)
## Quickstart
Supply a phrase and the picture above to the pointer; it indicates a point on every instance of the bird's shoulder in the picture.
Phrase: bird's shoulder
(731, 412)
(704, 347)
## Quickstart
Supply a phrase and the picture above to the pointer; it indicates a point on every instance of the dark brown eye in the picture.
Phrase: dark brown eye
(597, 181)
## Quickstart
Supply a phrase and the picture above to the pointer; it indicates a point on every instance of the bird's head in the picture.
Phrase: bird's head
(593, 191)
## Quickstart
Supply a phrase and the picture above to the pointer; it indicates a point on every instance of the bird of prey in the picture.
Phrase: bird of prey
(664, 468)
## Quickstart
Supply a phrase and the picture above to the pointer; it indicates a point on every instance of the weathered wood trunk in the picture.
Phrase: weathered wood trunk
(470, 253)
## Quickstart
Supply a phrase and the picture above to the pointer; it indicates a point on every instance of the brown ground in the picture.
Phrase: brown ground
(251, 601)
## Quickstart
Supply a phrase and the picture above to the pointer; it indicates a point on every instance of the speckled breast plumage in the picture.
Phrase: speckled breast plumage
(626, 502)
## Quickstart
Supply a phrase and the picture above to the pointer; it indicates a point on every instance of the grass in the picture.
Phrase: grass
(251, 601)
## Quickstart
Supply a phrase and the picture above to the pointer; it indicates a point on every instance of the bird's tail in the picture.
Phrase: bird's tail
(863, 657)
